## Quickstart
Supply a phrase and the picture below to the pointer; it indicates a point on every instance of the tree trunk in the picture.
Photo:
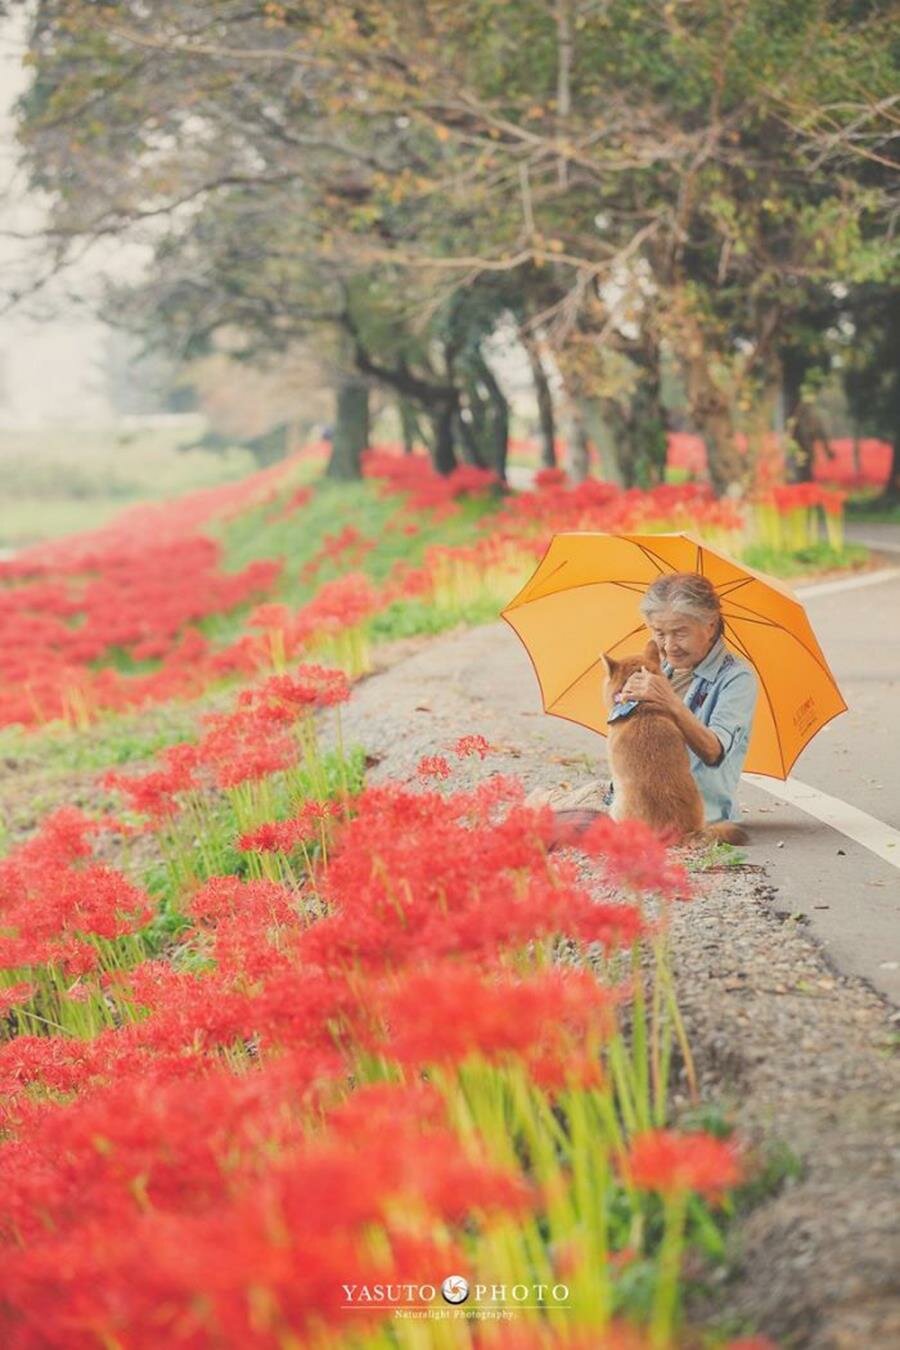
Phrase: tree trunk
(468, 441)
(409, 425)
(499, 422)
(565, 49)
(600, 436)
(351, 430)
(579, 444)
(544, 396)
(712, 416)
(890, 495)
(793, 372)
(443, 449)
(726, 469)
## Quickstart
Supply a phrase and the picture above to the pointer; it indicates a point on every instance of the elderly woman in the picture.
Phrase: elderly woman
(710, 691)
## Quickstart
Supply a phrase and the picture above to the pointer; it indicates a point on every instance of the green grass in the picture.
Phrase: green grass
(117, 738)
(717, 854)
(872, 510)
(815, 558)
(32, 519)
(56, 481)
(255, 535)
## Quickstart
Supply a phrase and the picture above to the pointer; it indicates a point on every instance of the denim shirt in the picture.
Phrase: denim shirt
(722, 695)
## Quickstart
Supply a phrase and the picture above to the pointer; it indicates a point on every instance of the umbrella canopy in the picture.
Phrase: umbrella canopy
(582, 600)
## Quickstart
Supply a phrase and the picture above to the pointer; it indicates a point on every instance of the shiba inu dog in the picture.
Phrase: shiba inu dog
(649, 762)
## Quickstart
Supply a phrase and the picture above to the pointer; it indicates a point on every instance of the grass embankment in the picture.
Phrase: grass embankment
(49, 765)
(55, 481)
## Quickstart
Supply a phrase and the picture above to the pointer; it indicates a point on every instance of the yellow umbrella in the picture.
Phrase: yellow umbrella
(582, 600)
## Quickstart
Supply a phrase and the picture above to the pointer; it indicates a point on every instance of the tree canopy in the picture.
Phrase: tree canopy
(624, 183)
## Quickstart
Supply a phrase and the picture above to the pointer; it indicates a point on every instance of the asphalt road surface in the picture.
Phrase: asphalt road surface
(849, 890)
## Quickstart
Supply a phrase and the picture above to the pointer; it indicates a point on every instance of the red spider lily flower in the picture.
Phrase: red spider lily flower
(269, 616)
(633, 855)
(14, 995)
(433, 766)
(338, 605)
(666, 1161)
(425, 488)
(347, 541)
(51, 897)
(444, 1013)
(154, 794)
(245, 746)
(472, 745)
(221, 897)
(550, 478)
(832, 502)
(416, 875)
(141, 584)
(272, 837)
(301, 497)
(57, 1063)
(146, 1205)
(564, 1068)
(283, 836)
(310, 687)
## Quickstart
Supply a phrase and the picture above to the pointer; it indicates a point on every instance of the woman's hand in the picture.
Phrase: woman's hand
(652, 689)
(656, 691)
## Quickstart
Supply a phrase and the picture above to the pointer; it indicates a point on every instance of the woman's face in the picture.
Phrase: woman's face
(682, 640)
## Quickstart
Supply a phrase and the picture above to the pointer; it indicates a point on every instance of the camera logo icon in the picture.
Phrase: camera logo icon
(455, 1289)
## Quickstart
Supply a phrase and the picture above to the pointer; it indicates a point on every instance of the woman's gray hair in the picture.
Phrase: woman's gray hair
(685, 593)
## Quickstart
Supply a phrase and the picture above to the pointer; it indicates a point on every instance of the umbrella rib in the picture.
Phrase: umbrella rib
(767, 623)
(741, 646)
(544, 580)
(749, 617)
(620, 640)
(580, 676)
(698, 563)
(639, 586)
(654, 557)
(733, 586)
(750, 611)
(762, 684)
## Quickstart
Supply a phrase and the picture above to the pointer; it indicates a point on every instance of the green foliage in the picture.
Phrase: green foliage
(815, 558)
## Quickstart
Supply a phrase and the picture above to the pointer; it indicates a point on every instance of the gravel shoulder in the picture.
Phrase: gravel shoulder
(797, 1054)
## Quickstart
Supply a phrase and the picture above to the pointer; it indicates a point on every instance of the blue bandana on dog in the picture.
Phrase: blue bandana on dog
(623, 709)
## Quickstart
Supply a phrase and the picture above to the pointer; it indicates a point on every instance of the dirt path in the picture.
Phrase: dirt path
(796, 1053)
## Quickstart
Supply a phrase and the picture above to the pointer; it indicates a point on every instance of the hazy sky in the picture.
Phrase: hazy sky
(48, 364)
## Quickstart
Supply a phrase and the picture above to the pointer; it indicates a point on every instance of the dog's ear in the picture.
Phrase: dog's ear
(612, 665)
(651, 656)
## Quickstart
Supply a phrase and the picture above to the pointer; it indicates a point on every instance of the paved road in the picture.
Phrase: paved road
(849, 895)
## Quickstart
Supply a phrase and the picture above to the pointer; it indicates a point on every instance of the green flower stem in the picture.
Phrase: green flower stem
(665, 1300)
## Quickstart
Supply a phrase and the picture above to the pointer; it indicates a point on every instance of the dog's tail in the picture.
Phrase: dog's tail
(723, 831)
